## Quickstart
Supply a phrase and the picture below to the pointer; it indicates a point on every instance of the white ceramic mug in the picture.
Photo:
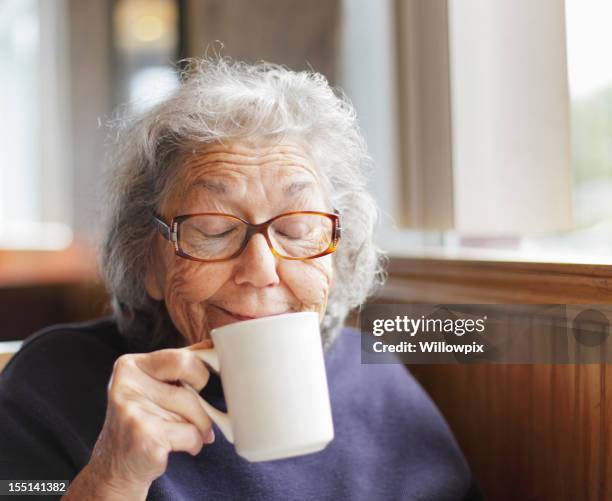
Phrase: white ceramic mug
(275, 386)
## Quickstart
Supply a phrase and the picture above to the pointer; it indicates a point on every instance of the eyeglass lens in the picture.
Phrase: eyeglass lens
(218, 237)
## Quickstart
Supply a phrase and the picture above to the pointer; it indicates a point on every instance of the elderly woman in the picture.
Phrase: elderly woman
(100, 404)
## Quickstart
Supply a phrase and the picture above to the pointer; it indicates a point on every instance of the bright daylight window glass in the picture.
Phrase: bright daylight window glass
(30, 216)
(588, 48)
(589, 45)
(19, 104)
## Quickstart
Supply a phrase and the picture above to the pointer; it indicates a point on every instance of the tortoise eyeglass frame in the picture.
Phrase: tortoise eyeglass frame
(172, 233)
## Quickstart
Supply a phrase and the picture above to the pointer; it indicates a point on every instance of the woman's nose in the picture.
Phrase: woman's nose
(257, 265)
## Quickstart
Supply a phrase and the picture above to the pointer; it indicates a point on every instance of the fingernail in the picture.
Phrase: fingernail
(210, 437)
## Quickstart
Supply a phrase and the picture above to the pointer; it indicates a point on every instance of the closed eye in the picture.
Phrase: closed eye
(219, 235)
(286, 235)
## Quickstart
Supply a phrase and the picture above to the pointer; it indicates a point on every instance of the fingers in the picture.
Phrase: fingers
(155, 410)
(178, 401)
(177, 364)
(148, 416)
(185, 437)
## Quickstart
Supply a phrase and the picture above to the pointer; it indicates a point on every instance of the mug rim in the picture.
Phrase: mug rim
(262, 319)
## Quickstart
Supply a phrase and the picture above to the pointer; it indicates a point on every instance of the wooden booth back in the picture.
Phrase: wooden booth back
(530, 432)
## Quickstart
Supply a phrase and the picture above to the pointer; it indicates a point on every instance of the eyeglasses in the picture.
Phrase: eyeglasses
(213, 237)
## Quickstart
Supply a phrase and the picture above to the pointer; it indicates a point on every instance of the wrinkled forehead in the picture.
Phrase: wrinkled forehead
(246, 170)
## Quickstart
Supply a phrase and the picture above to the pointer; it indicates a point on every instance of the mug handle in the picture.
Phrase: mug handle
(221, 419)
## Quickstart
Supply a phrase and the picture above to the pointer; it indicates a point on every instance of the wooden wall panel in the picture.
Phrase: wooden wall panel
(27, 309)
(4, 358)
(529, 432)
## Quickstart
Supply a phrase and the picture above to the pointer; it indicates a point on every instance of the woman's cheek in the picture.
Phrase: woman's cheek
(188, 287)
(194, 282)
(309, 282)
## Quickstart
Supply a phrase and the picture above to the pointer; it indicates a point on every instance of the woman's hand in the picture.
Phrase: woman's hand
(149, 414)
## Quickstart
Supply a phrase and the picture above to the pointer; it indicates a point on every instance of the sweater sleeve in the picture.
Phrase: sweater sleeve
(52, 403)
(30, 444)
(395, 421)
(31, 448)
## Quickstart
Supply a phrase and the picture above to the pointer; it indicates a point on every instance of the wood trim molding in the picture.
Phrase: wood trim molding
(465, 281)
(74, 265)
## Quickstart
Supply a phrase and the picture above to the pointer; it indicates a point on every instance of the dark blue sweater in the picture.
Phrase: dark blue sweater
(390, 440)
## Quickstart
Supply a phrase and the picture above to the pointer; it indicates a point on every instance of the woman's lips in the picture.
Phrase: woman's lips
(235, 315)
(241, 317)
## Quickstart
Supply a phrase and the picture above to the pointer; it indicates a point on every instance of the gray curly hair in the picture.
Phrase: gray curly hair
(219, 100)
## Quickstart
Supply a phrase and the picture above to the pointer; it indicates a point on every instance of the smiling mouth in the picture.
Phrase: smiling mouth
(239, 317)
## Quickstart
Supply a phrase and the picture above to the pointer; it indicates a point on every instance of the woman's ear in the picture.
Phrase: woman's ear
(152, 278)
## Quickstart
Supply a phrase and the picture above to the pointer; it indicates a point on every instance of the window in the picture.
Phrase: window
(589, 44)
(34, 208)
(486, 142)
